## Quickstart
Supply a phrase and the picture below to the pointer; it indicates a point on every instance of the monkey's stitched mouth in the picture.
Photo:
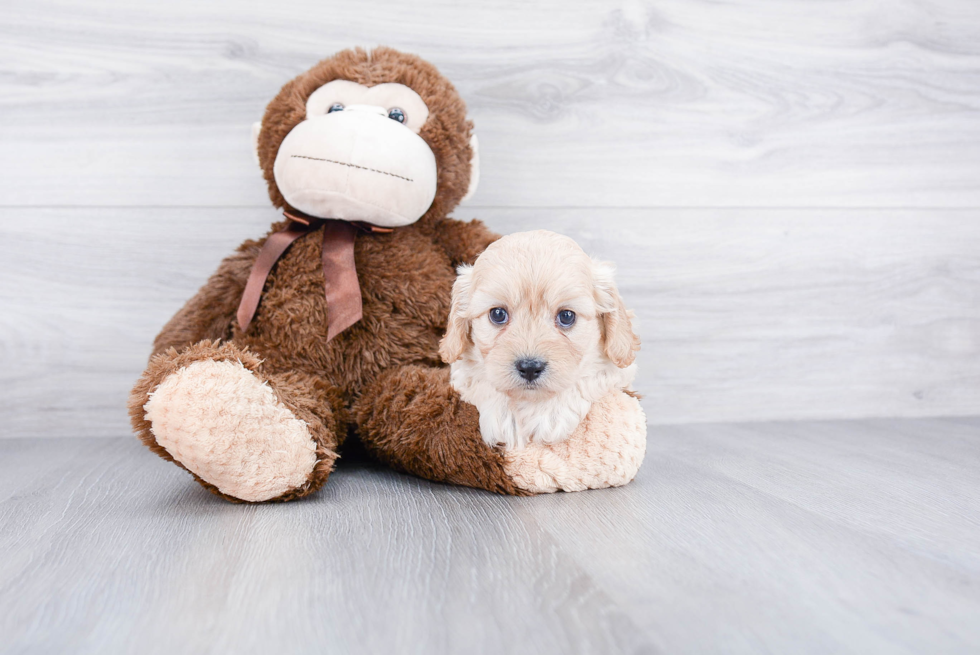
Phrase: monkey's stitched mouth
(363, 168)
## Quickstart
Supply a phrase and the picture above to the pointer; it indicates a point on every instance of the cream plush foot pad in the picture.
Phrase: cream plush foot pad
(218, 420)
(606, 450)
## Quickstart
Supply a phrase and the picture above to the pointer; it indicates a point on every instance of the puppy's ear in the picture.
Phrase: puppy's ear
(620, 341)
(457, 337)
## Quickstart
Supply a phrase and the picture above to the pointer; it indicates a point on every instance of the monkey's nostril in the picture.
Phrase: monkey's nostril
(530, 369)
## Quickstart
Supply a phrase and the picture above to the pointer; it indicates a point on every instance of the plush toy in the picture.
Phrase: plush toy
(330, 325)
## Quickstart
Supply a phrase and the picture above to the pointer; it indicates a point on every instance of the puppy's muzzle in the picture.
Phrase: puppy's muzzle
(530, 369)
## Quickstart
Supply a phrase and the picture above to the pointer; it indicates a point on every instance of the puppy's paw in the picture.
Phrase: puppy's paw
(227, 427)
(606, 450)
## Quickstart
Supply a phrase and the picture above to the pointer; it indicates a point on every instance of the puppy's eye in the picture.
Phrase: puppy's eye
(565, 318)
(397, 114)
(498, 316)
(335, 107)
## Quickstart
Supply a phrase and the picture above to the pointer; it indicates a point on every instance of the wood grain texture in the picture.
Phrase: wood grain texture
(744, 314)
(832, 271)
(783, 537)
(587, 103)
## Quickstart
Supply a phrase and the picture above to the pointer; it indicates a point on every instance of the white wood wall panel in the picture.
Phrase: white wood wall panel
(593, 103)
(744, 314)
(790, 189)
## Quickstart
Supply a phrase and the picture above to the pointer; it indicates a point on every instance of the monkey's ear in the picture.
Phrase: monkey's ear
(457, 338)
(474, 168)
(256, 130)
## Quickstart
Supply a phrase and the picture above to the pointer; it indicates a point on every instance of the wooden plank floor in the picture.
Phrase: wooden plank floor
(805, 537)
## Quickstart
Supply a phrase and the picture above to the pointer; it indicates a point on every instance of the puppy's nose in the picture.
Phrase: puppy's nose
(530, 369)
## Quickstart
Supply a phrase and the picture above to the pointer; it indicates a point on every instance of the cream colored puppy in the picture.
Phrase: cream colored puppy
(537, 333)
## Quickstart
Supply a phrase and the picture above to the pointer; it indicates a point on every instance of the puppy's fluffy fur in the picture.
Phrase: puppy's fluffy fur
(533, 276)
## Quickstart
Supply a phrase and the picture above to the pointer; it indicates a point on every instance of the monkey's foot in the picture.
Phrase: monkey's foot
(218, 420)
(606, 450)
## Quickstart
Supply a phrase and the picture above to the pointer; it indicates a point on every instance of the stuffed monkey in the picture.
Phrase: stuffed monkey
(331, 323)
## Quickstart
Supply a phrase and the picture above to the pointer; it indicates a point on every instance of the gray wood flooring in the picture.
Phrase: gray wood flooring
(801, 537)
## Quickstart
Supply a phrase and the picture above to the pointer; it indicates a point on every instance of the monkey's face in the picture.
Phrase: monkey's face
(374, 136)
(358, 155)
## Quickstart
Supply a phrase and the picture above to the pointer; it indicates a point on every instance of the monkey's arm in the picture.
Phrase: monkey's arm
(209, 314)
(413, 420)
(464, 242)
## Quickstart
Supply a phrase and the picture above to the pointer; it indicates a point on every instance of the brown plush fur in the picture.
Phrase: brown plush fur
(414, 421)
(387, 365)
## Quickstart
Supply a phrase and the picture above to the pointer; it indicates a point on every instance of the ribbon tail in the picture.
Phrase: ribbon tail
(341, 287)
(272, 250)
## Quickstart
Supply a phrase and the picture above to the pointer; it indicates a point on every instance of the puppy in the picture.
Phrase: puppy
(537, 332)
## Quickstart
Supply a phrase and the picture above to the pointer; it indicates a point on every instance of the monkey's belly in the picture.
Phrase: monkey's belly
(406, 285)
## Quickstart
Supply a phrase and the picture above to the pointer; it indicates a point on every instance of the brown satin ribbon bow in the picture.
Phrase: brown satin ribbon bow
(342, 290)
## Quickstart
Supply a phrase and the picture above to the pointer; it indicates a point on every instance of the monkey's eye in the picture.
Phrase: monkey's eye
(335, 107)
(396, 114)
(565, 318)
(498, 316)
